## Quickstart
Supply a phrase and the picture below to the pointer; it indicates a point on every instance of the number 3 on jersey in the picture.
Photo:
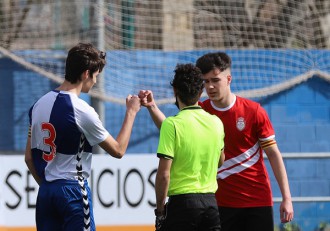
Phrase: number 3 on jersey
(49, 141)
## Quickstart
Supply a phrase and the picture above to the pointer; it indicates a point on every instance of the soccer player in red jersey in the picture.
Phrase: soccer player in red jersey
(244, 194)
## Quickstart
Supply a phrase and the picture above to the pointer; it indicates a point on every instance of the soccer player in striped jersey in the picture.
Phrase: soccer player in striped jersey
(63, 130)
(244, 194)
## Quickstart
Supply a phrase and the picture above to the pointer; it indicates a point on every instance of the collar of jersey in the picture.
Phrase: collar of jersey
(191, 107)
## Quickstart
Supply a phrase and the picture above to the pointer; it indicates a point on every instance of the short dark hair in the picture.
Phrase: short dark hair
(210, 61)
(82, 57)
(188, 83)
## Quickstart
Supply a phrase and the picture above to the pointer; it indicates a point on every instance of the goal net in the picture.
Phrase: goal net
(273, 44)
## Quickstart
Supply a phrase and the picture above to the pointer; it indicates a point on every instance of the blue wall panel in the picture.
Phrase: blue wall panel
(7, 141)
(302, 116)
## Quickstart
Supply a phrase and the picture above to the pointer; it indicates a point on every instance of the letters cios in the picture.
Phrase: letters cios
(123, 187)
(110, 187)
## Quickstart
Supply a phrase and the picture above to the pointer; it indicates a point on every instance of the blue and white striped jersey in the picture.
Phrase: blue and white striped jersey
(64, 130)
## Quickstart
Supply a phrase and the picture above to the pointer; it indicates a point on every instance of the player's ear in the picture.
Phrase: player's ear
(229, 79)
(85, 75)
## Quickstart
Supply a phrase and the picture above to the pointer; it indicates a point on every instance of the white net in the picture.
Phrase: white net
(274, 44)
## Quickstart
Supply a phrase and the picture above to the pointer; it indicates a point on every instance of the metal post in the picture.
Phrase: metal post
(98, 104)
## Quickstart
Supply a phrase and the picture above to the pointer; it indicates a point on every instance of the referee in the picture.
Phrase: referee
(189, 150)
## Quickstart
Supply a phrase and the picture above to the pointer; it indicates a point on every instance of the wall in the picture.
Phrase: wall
(300, 116)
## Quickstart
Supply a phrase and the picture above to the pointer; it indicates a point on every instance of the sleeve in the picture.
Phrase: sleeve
(166, 145)
(222, 131)
(265, 129)
(91, 125)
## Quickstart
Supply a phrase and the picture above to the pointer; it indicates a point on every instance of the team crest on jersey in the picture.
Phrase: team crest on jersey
(240, 124)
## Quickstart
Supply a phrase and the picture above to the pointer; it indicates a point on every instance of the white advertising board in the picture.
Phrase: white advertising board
(123, 190)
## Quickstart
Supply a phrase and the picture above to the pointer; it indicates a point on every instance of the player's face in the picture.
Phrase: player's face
(89, 82)
(217, 84)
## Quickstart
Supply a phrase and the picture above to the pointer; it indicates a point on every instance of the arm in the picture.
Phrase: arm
(117, 147)
(148, 101)
(222, 158)
(276, 162)
(29, 160)
(162, 182)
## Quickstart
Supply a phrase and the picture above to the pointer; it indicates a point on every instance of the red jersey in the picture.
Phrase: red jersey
(243, 179)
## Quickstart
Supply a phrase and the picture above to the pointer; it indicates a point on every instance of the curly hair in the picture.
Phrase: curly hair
(188, 83)
(210, 61)
(82, 57)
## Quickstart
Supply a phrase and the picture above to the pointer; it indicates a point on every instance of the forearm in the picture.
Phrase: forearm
(281, 178)
(280, 174)
(29, 161)
(162, 183)
(33, 172)
(125, 132)
(157, 116)
(222, 159)
(276, 162)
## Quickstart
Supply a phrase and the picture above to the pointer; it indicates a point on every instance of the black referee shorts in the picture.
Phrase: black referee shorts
(192, 212)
